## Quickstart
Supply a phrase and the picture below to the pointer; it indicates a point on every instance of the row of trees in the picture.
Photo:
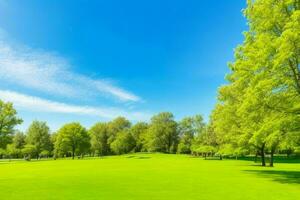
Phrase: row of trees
(258, 111)
(119, 136)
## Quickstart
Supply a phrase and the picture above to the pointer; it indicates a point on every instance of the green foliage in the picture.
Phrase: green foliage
(124, 143)
(8, 120)
(188, 128)
(45, 153)
(259, 107)
(72, 138)
(13, 152)
(139, 133)
(162, 133)
(99, 139)
(117, 125)
(2, 153)
(29, 151)
(38, 134)
(19, 140)
(205, 141)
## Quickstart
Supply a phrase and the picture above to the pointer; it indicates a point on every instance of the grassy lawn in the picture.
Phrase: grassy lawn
(147, 176)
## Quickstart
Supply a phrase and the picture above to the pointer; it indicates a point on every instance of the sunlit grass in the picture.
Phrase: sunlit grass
(147, 176)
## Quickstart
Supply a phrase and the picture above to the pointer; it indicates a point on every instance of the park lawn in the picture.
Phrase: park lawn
(147, 176)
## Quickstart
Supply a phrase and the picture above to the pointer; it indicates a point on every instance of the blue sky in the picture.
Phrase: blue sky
(90, 61)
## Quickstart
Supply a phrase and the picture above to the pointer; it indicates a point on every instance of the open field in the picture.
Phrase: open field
(147, 176)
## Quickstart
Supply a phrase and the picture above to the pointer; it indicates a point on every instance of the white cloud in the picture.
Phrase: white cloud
(31, 103)
(50, 73)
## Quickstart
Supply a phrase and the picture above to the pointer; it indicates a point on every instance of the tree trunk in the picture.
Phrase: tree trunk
(272, 158)
(289, 152)
(262, 152)
(73, 154)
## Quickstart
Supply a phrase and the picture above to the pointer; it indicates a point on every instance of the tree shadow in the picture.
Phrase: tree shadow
(139, 157)
(130, 156)
(281, 176)
(291, 160)
(143, 157)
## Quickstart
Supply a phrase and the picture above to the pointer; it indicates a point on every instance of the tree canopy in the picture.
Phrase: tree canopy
(72, 138)
(8, 120)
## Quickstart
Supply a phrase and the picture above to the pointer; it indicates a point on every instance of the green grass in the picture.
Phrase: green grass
(147, 176)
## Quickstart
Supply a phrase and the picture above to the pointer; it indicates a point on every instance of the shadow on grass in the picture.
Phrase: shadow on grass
(277, 159)
(130, 156)
(286, 177)
(139, 157)
(143, 157)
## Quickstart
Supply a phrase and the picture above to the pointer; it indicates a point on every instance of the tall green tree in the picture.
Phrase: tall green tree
(38, 135)
(263, 93)
(162, 133)
(188, 128)
(138, 132)
(124, 142)
(19, 140)
(8, 120)
(73, 138)
(14, 150)
(117, 125)
(99, 138)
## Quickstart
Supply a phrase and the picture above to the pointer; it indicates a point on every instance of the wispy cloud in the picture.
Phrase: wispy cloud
(51, 73)
(31, 103)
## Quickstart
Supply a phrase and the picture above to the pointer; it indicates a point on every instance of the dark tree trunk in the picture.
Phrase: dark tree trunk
(289, 152)
(272, 158)
(262, 152)
(73, 153)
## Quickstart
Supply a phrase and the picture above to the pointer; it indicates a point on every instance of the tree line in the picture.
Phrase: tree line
(119, 136)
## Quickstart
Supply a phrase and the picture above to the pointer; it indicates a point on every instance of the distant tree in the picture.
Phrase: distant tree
(38, 134)
(53, 137)
(162, 133)
(8, 120)
(206, 141)
(19, 140)
(188, 128)
(139, 131)
(72, 138)
(99, 138)
(29, 151)
(45, 154)
(117, 125)
(290, 144)
(12, 151)
(124, 143)
(2, 153)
